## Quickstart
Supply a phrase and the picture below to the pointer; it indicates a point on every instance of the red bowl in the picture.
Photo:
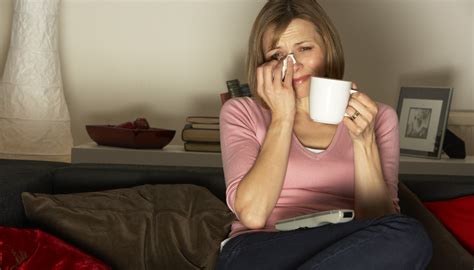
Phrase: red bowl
(152, 138)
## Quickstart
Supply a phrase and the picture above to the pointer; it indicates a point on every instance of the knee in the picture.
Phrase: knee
(412, 241)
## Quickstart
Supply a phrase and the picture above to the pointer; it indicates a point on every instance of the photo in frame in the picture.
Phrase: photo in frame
(423, 117)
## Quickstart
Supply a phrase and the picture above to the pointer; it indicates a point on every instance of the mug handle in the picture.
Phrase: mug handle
(352, 91)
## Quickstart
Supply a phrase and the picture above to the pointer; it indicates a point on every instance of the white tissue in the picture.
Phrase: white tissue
(285, 64)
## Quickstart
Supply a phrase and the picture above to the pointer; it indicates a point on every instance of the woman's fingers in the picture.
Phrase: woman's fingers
(359, 122)
(366, 101)
(288, 82)
(353, 127)
(354, 86)
(359, 108)
(268, 70)
(277, 73)
(272, 89)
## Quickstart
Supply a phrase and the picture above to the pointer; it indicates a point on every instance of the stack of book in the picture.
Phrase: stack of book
(201, 134)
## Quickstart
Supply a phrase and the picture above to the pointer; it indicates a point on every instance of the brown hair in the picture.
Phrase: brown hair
(278, 14)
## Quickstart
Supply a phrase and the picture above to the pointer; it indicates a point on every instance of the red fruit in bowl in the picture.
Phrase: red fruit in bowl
(141, 123)
(128, 124)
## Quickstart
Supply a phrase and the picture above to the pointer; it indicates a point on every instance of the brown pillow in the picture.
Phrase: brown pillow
(144, 227)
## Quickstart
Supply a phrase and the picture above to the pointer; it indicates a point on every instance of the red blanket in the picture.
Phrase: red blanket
(24, 249)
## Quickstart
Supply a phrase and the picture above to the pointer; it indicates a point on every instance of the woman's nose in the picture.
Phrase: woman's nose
(297, 66)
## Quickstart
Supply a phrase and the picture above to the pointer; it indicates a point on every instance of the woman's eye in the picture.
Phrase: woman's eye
(302, 49)
(276, 56)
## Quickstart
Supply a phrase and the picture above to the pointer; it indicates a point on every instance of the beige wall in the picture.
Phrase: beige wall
(164, 60)
(390, 43)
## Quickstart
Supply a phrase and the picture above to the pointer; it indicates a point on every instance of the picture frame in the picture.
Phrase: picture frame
(423, 117)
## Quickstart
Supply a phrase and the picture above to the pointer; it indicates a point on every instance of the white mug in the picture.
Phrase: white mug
(328, 99)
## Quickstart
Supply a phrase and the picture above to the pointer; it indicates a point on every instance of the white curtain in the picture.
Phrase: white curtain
(34, 118)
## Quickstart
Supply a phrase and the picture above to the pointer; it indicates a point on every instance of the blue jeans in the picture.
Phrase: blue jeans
(389, 242)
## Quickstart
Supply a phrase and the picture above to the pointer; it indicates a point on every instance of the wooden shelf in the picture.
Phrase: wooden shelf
(175, 155)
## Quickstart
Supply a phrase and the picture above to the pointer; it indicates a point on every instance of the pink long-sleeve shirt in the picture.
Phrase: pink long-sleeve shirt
(313, 181)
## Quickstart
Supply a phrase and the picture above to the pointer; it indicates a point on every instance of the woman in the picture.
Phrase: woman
(278, 163)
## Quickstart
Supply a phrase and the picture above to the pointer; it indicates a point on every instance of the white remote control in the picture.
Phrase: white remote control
(315, 219)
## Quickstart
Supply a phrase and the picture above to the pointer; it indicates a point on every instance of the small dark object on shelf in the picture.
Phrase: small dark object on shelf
(454, 146)
(137, 134)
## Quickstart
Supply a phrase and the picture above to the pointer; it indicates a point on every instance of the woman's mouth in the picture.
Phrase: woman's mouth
(300, 80)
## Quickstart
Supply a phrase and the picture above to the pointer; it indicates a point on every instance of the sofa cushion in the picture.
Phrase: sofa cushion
(458, 216)
(34, 249)
(18, 176)
(144, 227)
(447, 253)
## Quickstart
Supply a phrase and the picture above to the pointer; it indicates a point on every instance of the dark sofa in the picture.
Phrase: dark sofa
(60, 178)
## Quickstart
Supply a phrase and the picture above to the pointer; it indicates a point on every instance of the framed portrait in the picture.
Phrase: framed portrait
(423, 117)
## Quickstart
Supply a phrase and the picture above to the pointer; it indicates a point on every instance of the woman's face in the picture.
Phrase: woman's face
(301, 39)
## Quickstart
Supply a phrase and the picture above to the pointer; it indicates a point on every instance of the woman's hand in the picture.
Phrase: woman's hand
(362, 111)
(277, 94)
